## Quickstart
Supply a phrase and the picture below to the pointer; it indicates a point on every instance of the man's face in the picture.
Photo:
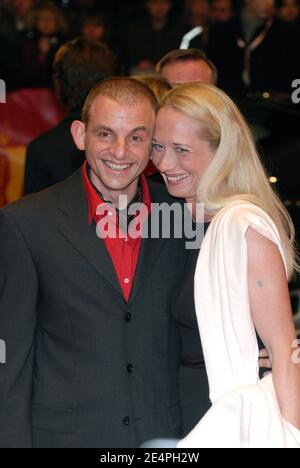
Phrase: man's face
(289, 11)
(46, 22)
(159, 9)
(117, 142)
(21, 7)
(191, 71)
(261, 8)
(222, 11)
(199, 13)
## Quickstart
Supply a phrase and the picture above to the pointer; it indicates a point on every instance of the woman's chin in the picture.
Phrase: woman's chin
(176, 192)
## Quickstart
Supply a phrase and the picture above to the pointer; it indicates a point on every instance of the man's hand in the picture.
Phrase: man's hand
(265, 362)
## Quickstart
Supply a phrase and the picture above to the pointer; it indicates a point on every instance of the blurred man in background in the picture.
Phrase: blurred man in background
(14, 16)
(151, 36)
(255, 52)
(187, 66)
(288, 10)
(222, 10)
(198, 15)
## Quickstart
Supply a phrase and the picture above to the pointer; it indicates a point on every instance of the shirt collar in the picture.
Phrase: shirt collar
(95, 199)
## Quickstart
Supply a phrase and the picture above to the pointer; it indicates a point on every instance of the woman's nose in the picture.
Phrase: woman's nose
(165, 162)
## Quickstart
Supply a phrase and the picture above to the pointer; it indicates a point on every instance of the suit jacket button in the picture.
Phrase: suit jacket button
(130, 368)
(126, 421)
(128, 317)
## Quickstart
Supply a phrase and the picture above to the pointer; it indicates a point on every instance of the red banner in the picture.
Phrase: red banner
(26, 114)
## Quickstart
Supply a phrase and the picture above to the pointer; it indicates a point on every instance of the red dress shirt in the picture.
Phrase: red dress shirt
(123, 248)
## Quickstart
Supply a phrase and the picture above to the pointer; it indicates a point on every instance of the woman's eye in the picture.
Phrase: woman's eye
(182, 150)
(157, 147)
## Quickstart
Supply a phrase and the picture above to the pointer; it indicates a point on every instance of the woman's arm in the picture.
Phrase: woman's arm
(272, 315)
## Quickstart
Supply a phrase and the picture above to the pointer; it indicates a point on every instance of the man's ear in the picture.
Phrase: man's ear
(78, 133)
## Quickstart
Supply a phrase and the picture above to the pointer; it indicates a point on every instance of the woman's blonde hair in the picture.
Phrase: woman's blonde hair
(236, 172)
(158, 85)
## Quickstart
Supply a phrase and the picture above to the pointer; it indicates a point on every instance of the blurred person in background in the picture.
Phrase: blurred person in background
(48, 32)
(9, 50)
(198, 13)
(151, 36)
(288, 10)
(255, 51)
(94, 27)
(20, 10)
(13, 20)
(52, 157)
(77, 10)
(222, 10)
(187, 66)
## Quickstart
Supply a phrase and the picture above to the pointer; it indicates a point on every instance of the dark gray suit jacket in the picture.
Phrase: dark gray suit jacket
(84, 368)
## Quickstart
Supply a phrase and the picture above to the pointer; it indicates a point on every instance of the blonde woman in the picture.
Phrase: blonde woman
(205, 152)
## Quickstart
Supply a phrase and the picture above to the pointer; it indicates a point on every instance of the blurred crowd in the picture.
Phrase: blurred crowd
(253, 43)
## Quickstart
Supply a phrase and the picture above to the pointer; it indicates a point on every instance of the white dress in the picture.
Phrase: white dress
(245, 411)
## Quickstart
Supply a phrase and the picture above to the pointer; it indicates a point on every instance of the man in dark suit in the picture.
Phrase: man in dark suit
(92, 351)
(255, 51)
(53, 157)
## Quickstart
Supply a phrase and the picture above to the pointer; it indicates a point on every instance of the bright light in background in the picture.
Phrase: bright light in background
(273, 180)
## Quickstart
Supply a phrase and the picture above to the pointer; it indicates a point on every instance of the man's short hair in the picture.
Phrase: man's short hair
(126, 91)
(181, 56)
(78, 65)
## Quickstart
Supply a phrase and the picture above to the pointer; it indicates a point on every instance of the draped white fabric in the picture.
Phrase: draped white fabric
(245, 411)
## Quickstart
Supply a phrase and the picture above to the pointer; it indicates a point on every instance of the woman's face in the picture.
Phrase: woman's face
(180, 153)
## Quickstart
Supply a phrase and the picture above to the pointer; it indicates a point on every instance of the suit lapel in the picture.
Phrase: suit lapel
(149, 253)
(75, 228)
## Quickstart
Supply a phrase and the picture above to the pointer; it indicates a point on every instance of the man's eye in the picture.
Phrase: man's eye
(104, 134)
(136, 139)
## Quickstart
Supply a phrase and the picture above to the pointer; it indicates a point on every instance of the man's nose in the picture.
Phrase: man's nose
(120, 149)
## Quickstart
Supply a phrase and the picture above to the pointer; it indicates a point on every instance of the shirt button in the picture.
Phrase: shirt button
(126, 421)
(126, 281)
(109, 213)
(128, 317)
(130, 368)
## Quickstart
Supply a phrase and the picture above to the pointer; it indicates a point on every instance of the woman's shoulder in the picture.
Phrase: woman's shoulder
(241, 212)
(236, 218)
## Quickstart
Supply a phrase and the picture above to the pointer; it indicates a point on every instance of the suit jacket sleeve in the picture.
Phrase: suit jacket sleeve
(18, 294)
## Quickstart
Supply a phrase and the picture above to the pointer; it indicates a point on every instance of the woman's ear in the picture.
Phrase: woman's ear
(78, 133)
